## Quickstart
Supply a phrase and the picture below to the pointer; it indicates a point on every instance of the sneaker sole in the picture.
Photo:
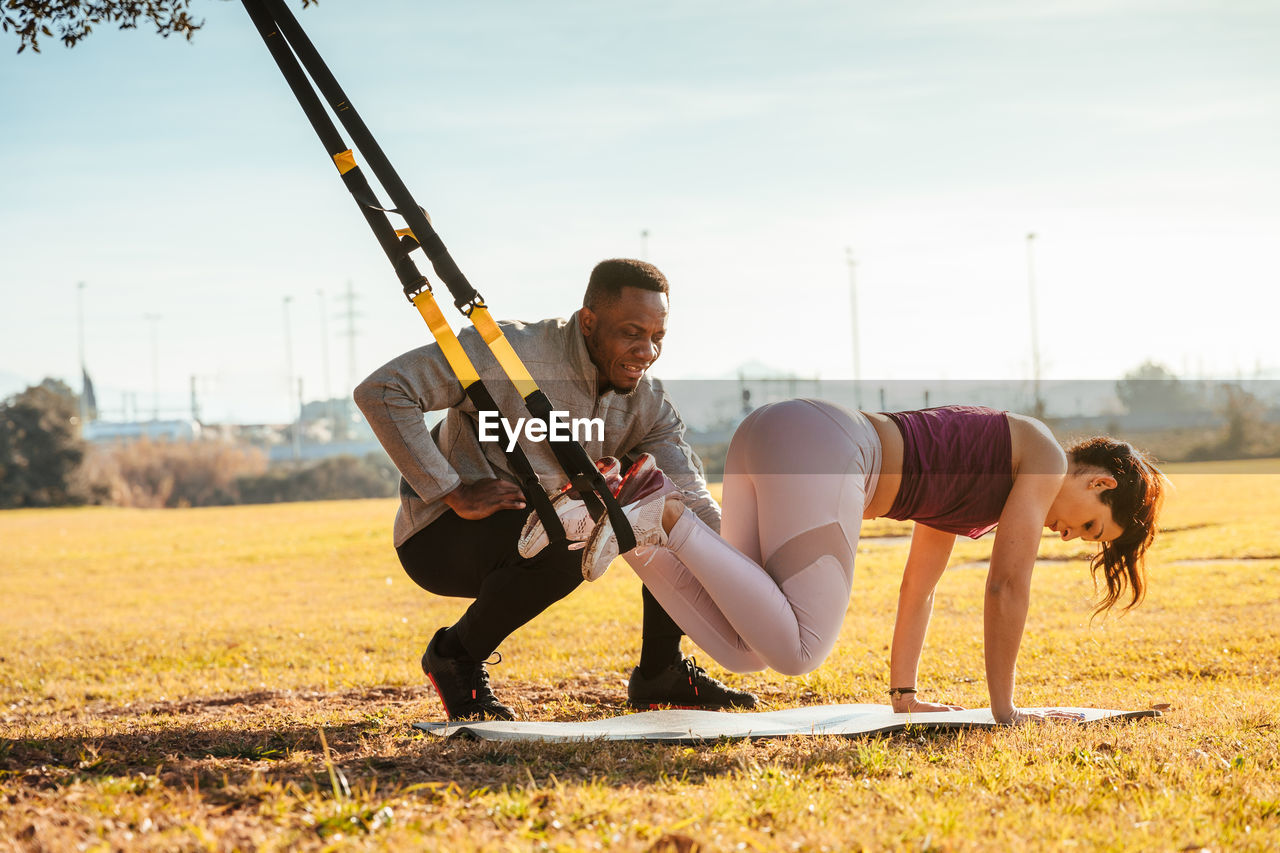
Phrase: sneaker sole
(573, 514)
(602, 548)
(440, 694)
(574, 518)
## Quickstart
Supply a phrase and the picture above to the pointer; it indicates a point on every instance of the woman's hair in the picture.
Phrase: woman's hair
(1134, 503)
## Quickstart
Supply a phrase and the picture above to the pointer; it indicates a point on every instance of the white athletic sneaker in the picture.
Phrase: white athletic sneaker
(573, 514)
(643, 494)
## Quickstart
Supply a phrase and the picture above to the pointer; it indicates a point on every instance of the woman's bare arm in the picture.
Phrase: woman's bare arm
(1013, 557)
(926, 561)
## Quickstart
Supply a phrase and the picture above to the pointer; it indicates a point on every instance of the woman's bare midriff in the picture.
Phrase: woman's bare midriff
(890, 466)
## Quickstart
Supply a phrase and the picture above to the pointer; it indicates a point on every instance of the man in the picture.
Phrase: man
(461, 512)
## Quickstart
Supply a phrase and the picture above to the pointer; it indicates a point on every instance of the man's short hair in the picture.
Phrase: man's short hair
(609, 277)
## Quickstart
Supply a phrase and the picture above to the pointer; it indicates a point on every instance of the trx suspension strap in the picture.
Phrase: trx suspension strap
(293, 51)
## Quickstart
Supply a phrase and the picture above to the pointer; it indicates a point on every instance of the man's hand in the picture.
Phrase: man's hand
(481, 499)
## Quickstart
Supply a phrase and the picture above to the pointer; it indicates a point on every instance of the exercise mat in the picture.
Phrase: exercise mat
(680, 726)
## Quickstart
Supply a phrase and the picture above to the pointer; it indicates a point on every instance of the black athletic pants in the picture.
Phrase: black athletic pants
(477, 559)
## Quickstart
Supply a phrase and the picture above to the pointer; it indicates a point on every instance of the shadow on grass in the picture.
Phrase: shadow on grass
(221, 747)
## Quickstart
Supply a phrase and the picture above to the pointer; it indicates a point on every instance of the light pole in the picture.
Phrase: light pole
(853, 320)
(324, 363)
(154, 320)
(195, 400)
(351, 314)
(644, 244)
(84, 371)
(295, 416)
(1035, 325)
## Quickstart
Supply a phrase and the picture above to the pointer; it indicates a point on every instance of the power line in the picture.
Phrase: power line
(349, 314)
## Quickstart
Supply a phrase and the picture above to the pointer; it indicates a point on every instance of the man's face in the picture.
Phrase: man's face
(625, 336)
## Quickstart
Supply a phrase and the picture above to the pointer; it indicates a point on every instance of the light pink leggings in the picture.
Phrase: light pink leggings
(773, 588)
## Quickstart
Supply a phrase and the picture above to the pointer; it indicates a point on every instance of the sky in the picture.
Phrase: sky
(759, 145)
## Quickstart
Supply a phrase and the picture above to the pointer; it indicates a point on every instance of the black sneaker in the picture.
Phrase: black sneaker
(684, 685)
(463, 685)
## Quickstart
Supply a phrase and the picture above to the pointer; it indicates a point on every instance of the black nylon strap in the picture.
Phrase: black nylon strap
(441, 261)
(578, 464)
(521, 467)
(395, 249)
(292, 50)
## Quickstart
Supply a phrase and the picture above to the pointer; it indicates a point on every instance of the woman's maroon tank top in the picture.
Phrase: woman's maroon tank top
(957, 468)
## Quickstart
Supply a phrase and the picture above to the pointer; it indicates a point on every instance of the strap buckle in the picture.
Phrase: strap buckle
(469, 305)
(414, 289)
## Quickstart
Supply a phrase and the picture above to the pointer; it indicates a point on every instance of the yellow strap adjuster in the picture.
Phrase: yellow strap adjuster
(502, 351)
(447, 340)
(345, 161)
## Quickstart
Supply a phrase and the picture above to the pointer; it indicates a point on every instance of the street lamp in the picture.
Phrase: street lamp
(154, 320)
(853, 320)
(296, 415)
(1035, 325)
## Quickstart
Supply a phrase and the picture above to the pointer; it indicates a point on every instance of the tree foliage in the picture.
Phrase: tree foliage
(335, 478)
(1245, 415)
(73, 20)
(40, 447)
(1152, 388)
(171, 474)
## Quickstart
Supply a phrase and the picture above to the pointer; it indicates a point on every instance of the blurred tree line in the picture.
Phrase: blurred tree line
(1152, 389)
(44, 462)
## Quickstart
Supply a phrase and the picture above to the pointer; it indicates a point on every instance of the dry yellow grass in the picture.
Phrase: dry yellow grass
(165, 677)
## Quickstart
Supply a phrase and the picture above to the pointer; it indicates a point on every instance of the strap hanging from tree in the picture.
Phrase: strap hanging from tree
(293, 51)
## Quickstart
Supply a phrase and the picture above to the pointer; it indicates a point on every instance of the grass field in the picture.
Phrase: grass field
(245, 678)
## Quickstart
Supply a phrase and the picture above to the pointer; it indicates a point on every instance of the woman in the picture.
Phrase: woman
(773, 588)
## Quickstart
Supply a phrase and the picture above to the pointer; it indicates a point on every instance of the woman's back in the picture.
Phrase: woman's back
(957, 468)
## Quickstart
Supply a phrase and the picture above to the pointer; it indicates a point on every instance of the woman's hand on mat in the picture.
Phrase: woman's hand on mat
(911, 705)
(483, 498)
(1021, 717)
(1070, 716)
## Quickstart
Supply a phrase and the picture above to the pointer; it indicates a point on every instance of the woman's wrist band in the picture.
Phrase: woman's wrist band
(895, 692)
